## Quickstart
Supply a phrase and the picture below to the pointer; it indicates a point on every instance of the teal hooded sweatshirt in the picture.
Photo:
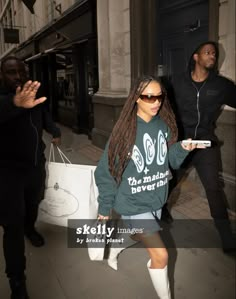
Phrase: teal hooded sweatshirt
(144, 184)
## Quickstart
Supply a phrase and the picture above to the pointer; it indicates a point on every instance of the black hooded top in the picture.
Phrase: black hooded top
(198, 105)
(21, 132)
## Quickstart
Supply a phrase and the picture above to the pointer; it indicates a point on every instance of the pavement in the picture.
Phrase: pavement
(58, 272)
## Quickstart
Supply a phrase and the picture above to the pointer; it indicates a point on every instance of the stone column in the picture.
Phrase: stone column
(113, 33)
(226, 125)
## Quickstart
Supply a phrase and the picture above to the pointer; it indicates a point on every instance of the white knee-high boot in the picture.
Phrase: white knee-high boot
(112, 259)
(115, 251)
(160, 281)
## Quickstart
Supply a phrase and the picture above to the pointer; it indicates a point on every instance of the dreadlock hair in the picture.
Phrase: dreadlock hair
(192, 62)
(124, 132)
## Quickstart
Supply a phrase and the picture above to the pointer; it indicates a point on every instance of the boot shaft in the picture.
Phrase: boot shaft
(160, 281)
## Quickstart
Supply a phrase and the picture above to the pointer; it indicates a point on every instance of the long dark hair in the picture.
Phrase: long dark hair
(124, 132)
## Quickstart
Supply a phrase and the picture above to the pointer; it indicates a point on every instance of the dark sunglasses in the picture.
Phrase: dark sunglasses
(148, 98)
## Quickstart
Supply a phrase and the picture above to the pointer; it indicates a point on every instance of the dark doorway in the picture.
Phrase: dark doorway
(182, 25)
(84, 59)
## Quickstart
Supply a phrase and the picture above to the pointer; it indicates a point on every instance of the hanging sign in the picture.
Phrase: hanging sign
(11, 35)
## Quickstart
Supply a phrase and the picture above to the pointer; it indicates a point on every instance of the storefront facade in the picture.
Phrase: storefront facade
(148, 37)
(63, 57)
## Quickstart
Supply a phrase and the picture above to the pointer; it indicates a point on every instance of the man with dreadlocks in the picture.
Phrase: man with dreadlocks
(200, 94)
(132, 175)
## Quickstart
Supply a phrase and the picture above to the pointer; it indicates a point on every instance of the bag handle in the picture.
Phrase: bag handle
(64, 158)
(51, 153)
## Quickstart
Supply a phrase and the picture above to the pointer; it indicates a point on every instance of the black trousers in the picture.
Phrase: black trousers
(33, 194)
(20, 194)
(14, 250)
(208, 164)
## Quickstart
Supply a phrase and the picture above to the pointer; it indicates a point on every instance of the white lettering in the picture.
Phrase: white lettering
(100, 229)
(161, 148)
(80, 241)
(149, 147)
(138, 159)
(147, 179)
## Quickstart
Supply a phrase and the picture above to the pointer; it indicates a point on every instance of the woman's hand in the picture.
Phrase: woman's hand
(101, 217)
(190, 146)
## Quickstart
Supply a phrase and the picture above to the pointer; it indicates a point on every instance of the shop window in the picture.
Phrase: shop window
(66, 87)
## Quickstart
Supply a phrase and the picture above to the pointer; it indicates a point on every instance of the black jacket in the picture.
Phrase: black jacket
(21, 133)
(198, 107)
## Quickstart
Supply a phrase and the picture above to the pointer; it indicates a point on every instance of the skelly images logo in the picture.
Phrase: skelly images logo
(99, 230)
(96, 234)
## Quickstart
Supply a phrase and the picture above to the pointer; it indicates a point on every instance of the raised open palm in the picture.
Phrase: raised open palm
(25, 96)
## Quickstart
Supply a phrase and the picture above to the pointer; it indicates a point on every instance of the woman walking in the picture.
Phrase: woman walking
(133, 173)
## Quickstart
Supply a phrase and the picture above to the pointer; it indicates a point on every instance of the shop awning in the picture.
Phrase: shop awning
(36, 56)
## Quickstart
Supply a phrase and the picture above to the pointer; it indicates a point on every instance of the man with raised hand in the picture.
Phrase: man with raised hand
(22, 166)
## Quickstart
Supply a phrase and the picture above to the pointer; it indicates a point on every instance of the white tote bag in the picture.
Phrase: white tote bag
(70, 193)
